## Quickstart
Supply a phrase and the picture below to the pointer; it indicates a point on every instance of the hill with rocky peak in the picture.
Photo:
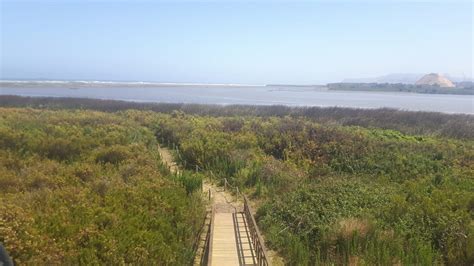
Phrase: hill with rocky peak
(434, 79)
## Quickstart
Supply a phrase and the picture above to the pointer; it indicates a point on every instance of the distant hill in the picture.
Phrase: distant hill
(434, 79)
(404, 78)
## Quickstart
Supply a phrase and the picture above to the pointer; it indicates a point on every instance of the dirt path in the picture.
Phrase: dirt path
(168, 159)
(223, 201)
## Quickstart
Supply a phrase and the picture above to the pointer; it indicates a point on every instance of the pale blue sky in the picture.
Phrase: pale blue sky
(233, 42)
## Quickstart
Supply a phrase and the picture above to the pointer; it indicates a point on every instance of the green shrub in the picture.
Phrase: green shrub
(113, 155)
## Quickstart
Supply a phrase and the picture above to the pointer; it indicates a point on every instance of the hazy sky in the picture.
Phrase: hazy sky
(234, 42)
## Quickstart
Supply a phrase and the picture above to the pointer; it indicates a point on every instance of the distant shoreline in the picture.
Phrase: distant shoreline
(86, 83)
(341, 86)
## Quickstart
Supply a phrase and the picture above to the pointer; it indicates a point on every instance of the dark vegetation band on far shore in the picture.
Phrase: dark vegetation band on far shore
(412, 122)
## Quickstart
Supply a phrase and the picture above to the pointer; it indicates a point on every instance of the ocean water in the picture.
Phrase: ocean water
(258, 95)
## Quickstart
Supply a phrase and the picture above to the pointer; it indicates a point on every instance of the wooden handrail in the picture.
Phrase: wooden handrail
(211, 236)
(257, 240)
(198, 235)
(205, 252)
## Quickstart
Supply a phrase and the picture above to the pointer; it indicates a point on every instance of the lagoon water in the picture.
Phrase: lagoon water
(259, 95)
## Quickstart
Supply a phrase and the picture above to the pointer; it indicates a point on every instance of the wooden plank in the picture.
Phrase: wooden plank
(245, 245)
(224, 242)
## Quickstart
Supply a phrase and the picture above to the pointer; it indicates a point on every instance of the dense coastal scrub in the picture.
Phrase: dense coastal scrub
(85, 187)
(332, 186)
(339, 194)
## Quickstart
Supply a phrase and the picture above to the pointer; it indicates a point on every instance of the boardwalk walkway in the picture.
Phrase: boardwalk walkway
(232, 238)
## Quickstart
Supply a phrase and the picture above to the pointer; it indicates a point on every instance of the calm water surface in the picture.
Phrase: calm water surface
(262, 96)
